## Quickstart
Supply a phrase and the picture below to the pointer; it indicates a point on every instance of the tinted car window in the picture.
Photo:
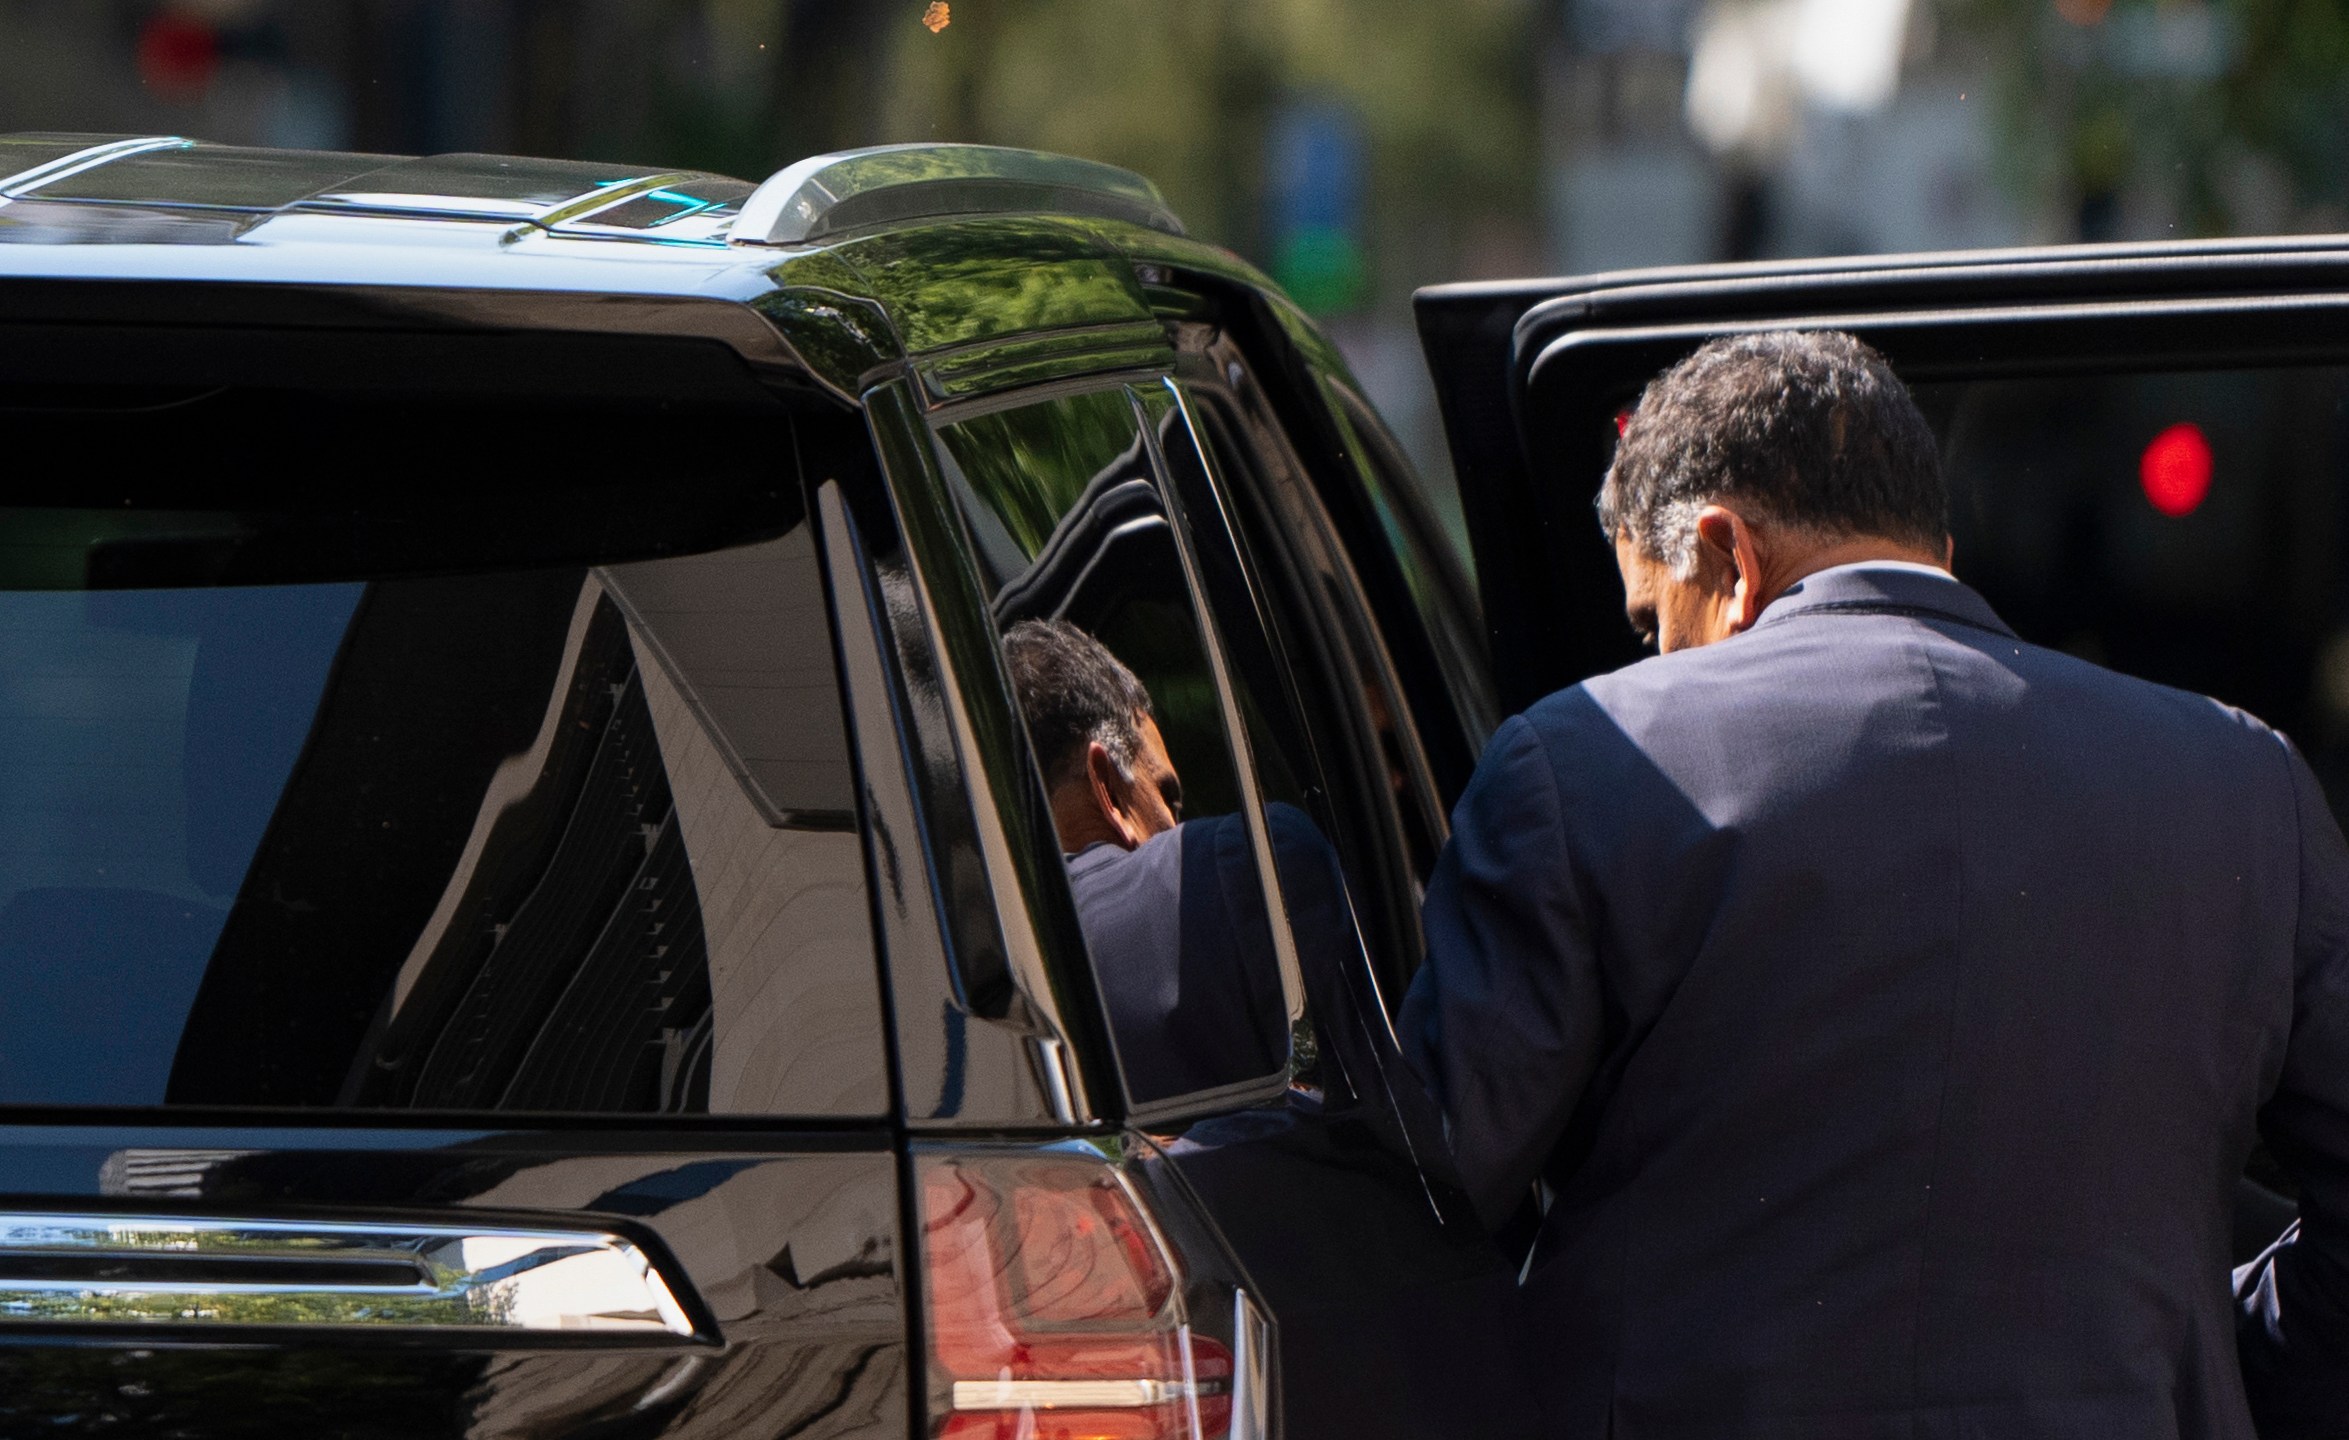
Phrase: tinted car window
(1067, 517)
(1385, 813)
(565, 837)
(2183, 526)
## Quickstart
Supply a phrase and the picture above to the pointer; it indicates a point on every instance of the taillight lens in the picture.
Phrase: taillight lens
(1055, 1312)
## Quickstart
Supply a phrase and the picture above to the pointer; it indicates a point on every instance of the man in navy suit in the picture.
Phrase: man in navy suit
(1172, 909)
(1888, 1004)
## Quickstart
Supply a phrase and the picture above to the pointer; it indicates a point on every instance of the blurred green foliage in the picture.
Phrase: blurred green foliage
(1181, 90)
(2234, 107)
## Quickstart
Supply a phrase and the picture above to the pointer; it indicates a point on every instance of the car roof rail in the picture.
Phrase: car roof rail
(830, 195)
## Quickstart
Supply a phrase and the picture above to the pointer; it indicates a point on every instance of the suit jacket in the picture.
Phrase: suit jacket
(1184, 958)
(1890, 1005)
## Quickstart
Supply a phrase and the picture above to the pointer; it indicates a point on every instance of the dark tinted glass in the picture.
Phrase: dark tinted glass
(1385, 816)
(552, 837)
(2187, 527)
(1068, 521)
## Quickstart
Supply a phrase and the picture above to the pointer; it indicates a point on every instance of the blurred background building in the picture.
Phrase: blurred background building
(1357, 150)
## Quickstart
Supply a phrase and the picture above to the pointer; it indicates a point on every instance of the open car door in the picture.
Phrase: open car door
(2078, 347)
(2146, 450)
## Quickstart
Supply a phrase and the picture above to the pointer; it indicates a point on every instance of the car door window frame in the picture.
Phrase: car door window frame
(1012, 925)
(1219, 387)
(1578, 378)
(1069, 949)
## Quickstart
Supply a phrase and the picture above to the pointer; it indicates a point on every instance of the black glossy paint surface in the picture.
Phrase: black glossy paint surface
(791, 1247)
(1324, 1204)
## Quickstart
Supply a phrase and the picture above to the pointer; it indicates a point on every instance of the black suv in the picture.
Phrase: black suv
(526, 903)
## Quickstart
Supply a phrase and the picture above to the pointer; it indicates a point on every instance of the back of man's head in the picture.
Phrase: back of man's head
(1809, 430)
(1073, 692)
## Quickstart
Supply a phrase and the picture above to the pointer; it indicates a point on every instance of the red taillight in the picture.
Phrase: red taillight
(1054, 1309)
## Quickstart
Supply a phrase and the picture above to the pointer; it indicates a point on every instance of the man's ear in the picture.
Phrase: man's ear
(1716, 544)
(1729, 550)
(1751, 598)
(1109, 788)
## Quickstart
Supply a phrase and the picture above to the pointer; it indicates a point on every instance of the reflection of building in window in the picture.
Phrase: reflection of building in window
(661, 904)
(572, 973)
(775, 856)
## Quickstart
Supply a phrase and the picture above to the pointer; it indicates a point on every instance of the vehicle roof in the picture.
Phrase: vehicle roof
(165, 208)
(105, 204)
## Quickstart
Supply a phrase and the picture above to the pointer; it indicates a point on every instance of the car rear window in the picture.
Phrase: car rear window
(414, 785)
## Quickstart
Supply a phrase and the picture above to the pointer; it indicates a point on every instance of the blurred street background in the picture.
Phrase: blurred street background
(1356, 150)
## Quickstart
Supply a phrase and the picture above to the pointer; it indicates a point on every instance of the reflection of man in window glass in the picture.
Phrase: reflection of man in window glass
(1173, 911)
(1105, 764)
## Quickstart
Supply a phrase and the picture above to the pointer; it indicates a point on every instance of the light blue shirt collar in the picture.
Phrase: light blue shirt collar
(1912, 566)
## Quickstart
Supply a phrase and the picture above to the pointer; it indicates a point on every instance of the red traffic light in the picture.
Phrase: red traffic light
(2175, 470)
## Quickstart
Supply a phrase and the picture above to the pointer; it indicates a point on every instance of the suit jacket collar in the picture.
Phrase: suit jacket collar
(1869, 590)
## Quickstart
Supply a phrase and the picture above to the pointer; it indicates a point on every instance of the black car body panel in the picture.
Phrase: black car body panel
(750, 761)
(792, 1244)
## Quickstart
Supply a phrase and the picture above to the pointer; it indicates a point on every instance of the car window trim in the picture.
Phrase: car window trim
(1284, 944)
(1255, 1089)
(956, 412)
(1336, 762)
(1056, 1001)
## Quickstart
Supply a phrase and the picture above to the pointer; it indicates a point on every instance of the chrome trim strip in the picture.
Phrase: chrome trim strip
(1067, 1394)
(403, 202)
(369, 1277)
(67, 166)
(595, 202)
(1052, 1060)
(1251, 1371)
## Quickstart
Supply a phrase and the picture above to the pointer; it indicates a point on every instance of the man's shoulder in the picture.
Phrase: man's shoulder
(1730, 679)
(1608, 701)
(2073, 682)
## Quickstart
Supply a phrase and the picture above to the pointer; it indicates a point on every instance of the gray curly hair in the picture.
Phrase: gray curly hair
(1810, 428)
